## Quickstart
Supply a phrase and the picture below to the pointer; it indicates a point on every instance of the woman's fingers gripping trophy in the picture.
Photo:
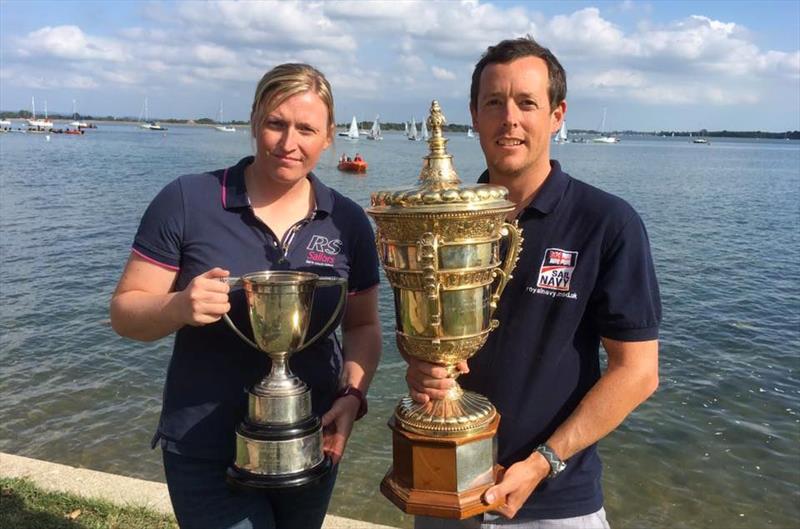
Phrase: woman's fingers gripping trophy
(205, 298)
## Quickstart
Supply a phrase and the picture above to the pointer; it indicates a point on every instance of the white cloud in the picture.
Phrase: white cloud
(212, 54)
(442, 74)
(69, 42)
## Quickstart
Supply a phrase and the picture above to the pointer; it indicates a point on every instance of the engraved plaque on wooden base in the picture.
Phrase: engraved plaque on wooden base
(440, 476)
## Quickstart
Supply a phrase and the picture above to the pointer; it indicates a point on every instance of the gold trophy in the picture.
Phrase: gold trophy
(439, 244)
(279, 443)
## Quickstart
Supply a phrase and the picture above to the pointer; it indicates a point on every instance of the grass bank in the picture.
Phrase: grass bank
(23, 504)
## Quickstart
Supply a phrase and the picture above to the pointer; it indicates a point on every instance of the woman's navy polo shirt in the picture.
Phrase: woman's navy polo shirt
(205, 220)
(585, 271)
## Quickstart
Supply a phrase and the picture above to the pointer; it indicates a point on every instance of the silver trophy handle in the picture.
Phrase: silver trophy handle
(236, 282)
(330, 282)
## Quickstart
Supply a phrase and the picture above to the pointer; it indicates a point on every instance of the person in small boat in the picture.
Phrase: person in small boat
(268, 211)
(358, 158)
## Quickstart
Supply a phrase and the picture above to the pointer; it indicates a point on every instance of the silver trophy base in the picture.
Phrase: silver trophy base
(279, 444)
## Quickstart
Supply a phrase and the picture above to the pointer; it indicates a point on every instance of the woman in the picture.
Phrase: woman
(268, 211)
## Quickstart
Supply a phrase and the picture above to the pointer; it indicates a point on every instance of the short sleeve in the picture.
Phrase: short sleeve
(626, 303)
(364, 264)
(161, 229)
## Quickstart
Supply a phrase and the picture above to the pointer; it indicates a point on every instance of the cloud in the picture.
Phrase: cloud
(69, 42)
(442, 74)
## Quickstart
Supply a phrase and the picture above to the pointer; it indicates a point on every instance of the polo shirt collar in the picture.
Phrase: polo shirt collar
(551, 192)
(234, 191)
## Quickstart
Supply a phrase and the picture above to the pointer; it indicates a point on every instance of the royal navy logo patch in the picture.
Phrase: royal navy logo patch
(556, 270)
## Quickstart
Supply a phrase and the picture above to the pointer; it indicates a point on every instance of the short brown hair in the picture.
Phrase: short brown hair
(511, 49)
(287, 80)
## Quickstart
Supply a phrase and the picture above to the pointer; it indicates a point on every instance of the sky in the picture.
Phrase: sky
(656, 65)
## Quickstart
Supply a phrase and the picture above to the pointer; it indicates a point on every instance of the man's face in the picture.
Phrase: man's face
(513, 118)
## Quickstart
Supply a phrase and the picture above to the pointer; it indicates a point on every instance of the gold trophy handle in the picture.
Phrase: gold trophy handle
(330, 282)
(236, 282)
(514, 237)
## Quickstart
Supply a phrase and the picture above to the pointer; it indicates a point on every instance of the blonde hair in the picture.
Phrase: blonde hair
(284, 81)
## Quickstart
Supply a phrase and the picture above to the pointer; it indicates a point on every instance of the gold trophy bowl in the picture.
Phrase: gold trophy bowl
(440, 247)
(279, 444)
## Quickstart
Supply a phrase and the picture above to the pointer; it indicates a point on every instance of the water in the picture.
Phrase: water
(717, 446)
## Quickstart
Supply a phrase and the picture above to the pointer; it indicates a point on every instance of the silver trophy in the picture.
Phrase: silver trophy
(279, 444)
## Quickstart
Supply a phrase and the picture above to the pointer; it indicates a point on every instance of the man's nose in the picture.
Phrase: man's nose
(510, 114)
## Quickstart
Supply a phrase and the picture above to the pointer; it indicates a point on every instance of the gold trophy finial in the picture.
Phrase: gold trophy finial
(438, 171)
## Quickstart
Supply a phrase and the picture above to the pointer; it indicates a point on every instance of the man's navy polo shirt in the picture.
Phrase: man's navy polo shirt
(205, 220)
(585, 271)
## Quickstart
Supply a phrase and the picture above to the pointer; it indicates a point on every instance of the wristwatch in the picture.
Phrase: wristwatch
(556, 465)
(362, 400)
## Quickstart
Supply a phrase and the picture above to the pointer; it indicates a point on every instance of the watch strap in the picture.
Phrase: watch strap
(556, 464)
(362, 399)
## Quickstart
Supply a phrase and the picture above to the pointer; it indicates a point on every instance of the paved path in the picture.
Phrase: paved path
(117, 489)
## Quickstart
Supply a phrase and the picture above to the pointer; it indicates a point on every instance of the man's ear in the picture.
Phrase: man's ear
(474, 113)
(557, 116)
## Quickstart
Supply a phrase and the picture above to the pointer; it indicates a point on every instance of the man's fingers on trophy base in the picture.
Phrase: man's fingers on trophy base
(418, 396)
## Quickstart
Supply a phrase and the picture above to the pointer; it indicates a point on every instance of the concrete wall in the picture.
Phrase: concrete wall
(116, 489)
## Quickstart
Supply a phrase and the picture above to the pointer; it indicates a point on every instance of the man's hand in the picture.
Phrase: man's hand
(337, 425)
(517, 483)
(428, 381)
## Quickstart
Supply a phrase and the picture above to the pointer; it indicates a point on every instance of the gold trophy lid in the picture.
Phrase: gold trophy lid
(439, 189)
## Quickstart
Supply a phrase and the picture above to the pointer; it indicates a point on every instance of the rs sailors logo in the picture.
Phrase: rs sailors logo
(323, 251)
(556, 270)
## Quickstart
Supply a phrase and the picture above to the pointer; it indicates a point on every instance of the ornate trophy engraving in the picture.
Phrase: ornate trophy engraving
(439, 244)
(279, 444)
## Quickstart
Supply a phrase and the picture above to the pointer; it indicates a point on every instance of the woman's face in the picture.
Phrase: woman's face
(292, 137)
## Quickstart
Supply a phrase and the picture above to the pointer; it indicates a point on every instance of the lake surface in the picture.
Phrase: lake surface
(717, 446)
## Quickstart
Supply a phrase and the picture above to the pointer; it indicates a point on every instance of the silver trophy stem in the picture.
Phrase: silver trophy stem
(280, 381)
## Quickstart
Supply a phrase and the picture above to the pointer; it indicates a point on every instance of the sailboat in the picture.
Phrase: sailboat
(412, 133)
(147, 124)
(221, 127)
(375, 131)
(352, 132)
(38, 125)
(78, 124)
(603, 138)
(470, 134)
(424, 134)
(561, 135)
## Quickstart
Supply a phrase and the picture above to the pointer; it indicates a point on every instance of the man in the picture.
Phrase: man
(585, 276)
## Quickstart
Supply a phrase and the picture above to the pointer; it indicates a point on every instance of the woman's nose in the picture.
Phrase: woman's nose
(288, 140)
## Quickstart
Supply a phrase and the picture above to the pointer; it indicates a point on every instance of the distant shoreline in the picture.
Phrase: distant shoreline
(205, 122)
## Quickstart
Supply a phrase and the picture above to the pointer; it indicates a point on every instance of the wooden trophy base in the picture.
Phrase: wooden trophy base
(440, 476)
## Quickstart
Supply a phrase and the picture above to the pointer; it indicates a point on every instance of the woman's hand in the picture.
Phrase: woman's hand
(205, 299)
(337, 425)
(428, 381)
